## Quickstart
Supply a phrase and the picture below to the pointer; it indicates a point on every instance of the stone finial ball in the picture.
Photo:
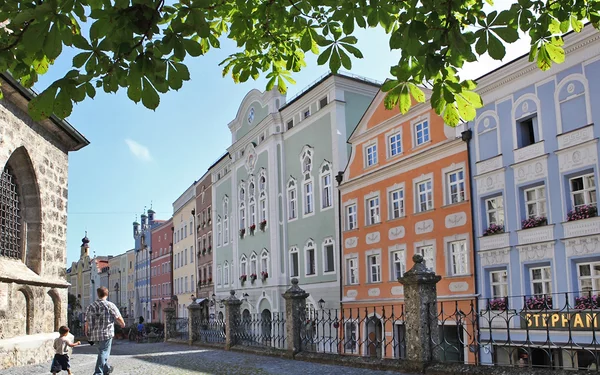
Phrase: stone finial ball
(418, 258)
(294, 281)
(232, 292)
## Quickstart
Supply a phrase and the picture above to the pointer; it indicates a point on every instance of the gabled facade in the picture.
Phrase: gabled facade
(274, 207)
(535, 163)
(405, 192)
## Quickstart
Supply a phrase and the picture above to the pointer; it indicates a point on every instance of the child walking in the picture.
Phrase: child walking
(61, 348)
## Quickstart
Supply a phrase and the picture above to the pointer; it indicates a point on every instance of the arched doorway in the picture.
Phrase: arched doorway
(266, 326)
(374, 330)
(56, 309)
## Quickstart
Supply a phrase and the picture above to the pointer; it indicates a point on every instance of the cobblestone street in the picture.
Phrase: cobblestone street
(176, 359)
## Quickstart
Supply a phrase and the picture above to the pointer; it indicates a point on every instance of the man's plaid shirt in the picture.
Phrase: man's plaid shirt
(100, 317)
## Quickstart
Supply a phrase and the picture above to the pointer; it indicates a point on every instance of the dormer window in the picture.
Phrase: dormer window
(306, 113)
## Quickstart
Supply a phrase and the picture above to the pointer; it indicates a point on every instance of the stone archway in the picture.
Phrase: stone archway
(23, 310)
(57, 308)
(21, 170)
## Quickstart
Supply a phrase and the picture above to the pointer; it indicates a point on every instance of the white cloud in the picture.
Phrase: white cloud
(138, 150)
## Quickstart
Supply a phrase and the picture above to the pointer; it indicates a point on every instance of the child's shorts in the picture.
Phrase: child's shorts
(60, 363)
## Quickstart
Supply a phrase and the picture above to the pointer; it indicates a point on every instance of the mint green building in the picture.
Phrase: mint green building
(275, 197)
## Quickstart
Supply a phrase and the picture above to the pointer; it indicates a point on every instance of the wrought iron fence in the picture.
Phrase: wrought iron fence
(559, 331)
(369, 331)
(209, 330)
(178, 328)
(261, 329)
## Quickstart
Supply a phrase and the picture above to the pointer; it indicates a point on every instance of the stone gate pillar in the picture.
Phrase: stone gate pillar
(194, 317)
(169, 313)
(232, 318)
(421, 324)
(295, 307)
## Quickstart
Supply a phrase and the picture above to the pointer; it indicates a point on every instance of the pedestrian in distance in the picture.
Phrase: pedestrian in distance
(61, 350)
(100, 319)
(140, 329)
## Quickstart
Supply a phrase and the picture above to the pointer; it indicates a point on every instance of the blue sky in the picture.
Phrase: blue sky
(138, 156)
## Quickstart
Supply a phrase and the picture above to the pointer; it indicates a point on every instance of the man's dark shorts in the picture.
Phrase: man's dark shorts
(60, 363)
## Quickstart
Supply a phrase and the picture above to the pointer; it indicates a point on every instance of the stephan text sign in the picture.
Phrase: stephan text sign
(559, 320)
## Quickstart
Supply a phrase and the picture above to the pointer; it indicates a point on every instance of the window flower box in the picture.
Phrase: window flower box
(582, 212)
(493, 229)
(263, 225)
(204, 251)
(588, 302)
(539, 303)
(252, 229)
(243, 278)
(210, 280)
(253, 277)
(498, 304)
(242, 232)
(264, 275)
(534, 222)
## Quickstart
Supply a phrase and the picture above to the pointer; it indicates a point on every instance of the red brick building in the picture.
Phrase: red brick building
(160, 268)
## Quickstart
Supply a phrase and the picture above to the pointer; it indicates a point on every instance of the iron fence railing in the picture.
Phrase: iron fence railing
(261, 329)
(209, 330)
(178, 328)
(369, 331)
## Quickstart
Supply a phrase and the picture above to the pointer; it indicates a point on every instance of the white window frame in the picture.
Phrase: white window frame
(328, 242)
(310, 245)
(326, 188)
(351, 344)
(592, 277)
(263, 206)
(242, 216)
(397, 255)
(459, 183)
(586, 190)
(309, 209)
(503, 284)
(253, 265)
(424, 179)
(419, 249)
(373, 255)
(294, 251)
(456, 252)
(398, 188)
(351, 217)
(225, 221)
(539, 203)
(495, 211)
(352, 270)
(395, 133)
(370, 149)
(372, 213)
(243, 265)
(252, 211)
(226, 274)
(545, 282)
(264, 261)
(426, 134)
(292, 201)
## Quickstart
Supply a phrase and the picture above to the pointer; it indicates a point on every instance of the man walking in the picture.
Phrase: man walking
(100, 319)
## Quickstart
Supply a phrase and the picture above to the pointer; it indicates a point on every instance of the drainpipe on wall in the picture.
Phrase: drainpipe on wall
(339, 177)
(466, 136)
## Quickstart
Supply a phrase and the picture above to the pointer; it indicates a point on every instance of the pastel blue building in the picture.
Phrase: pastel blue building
(534, 163)
(143, 250)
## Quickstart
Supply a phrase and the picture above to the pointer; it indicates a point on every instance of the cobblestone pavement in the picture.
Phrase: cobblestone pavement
(177, 359)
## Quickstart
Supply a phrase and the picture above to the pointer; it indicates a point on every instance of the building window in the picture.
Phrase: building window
(374, 262)
(253, 264)
(352, 271)
(541, 281)
(351, 217)
(526, 131)
(395, 144)
(242, 216)
(306, 113)
(185, 258)
(262, 182)
(326, 193)
(294, 262)
(350, 336)
(308, 197)
(396, 200)
(422, 133)
(219, 275)
(264, 262)
(425, 195)
(219, 233)
(251, 189)
(371, 155)
(329, 255)
(290, 124)
(322, 102)
(263, 207)
(243, 265)
(225, 222)
(292, 200)
(495, 210)
(456, 186)
(535, 202)
(589, 277)
(311, 266)
(398, 264)
(252, 208)
(373, 211)
(428, 256)
(226, 274)
(459, 264)
(583, 190)
(499, 284)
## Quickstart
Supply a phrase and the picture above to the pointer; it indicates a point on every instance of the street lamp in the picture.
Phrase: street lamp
(117, 291)
(321, 303)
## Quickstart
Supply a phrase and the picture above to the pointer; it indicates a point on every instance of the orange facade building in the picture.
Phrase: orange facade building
(405, 191)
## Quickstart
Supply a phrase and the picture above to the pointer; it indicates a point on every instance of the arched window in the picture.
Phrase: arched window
(294, 262)
(253, 265)
(225, 221)
(219, 232)
(310, 258)
(328, 256)
(251, 187)
(264, 263)
(262, 182)
(242, 218)
(326, 186)
(243, 265)
(226, 273)
(572, 102)
(252, 212)
(10, 207)
(219, 275)
(242, 196)
(263, 208)
(292, 195)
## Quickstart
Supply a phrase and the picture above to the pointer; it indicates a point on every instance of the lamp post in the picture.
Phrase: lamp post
(117, 291)
(321, 303)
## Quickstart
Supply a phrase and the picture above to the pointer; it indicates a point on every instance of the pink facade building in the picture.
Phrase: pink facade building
(160, 268)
